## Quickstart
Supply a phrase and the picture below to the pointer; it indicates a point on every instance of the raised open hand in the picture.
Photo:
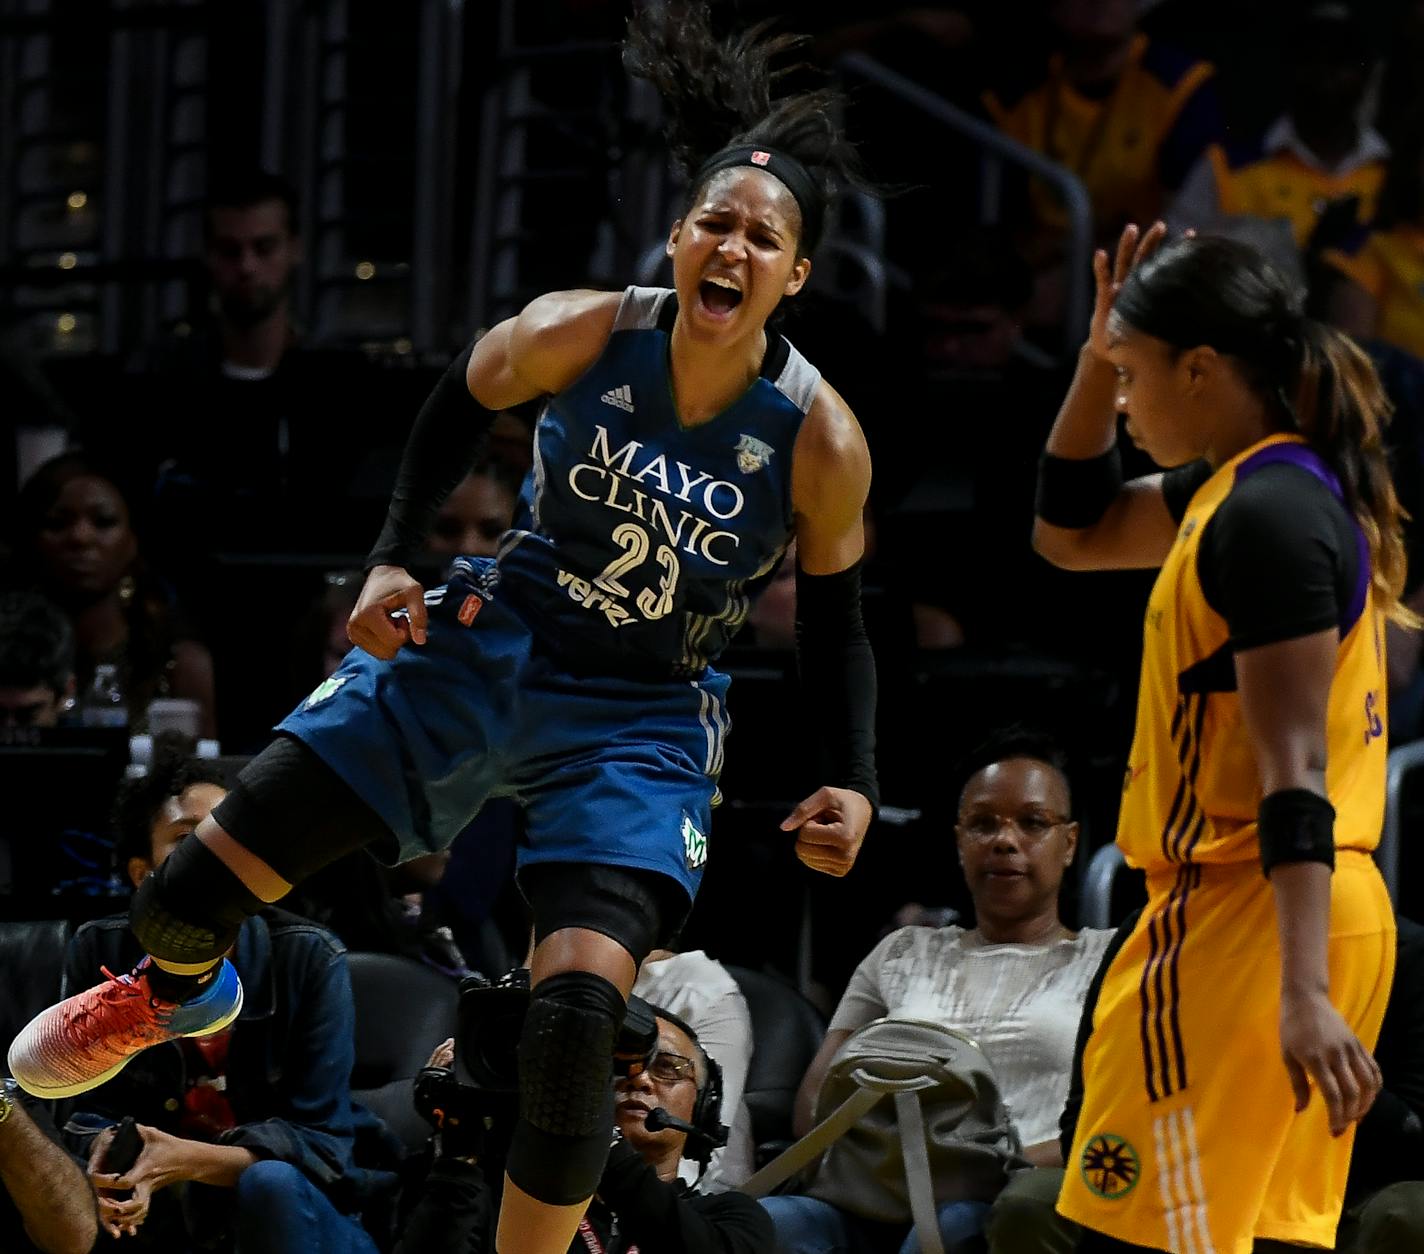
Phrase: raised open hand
(1133, 247)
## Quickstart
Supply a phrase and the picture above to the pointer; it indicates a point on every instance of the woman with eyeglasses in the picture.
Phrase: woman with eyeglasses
(1015, 982)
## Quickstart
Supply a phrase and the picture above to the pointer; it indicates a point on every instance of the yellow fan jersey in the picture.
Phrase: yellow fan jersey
(1389, 265)
(1127, 147)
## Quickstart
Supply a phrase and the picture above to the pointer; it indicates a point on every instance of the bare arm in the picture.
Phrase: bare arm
(803, 1117)
(542, 350)
(830, 481)
(1285, 691)
(47, 1187)
(1136, 531)
(1045, 1153)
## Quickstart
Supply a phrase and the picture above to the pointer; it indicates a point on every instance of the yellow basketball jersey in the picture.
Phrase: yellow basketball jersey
(1192, 786)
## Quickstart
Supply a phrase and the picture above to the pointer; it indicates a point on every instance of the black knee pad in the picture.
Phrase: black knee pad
(190, 909)
(565, 1088)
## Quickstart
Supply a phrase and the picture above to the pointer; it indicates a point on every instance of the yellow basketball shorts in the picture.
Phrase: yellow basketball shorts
(1188, 1139)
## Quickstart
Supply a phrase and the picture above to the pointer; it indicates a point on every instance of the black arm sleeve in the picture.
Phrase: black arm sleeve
(838, 675)
(659, 1215)
(453, 1214)
(1180, 484)
(1279, 559)
(441, 449)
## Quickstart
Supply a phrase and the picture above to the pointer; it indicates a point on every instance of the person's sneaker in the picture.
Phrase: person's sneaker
(83, 1041)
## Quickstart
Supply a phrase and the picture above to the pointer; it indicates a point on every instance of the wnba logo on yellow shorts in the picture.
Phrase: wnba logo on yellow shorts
(1110, 1166)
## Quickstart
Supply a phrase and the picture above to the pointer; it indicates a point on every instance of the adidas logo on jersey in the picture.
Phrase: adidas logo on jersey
(620, 397)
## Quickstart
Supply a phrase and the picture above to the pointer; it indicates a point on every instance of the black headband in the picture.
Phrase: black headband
(805, 191)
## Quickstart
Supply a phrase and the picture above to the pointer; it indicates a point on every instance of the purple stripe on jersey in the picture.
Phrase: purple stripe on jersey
(1302, 455)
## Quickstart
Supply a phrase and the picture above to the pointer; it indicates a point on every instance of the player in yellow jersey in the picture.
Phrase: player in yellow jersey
(1230, 1053)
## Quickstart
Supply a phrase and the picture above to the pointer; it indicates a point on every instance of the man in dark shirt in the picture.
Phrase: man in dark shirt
(640, 1203)
(45, 1202)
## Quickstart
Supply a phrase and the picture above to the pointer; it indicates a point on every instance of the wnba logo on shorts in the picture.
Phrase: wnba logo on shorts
(469, 607)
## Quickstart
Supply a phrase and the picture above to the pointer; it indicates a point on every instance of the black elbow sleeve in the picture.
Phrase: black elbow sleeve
(838, 676)
(441, 450)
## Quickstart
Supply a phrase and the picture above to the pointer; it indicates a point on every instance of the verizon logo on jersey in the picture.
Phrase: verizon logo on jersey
(620, 397)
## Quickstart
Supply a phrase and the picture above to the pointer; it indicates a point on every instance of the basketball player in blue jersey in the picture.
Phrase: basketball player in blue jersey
(682, 447)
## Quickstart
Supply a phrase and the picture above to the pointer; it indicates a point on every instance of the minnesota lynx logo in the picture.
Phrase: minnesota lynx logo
(325, 689)
(752, 454)
(694, 842)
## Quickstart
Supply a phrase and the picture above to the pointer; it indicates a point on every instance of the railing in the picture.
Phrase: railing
(997, 148)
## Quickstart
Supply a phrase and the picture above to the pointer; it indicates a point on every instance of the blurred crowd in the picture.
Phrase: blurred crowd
(184, 547)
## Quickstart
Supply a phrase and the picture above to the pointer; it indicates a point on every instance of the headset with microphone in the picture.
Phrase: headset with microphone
(705, 1132)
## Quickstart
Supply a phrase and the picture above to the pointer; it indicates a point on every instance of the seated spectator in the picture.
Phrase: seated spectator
(254, 1122)
(700, 992)
(1126, 114)
(1015, 982)
(1316, 172)
(76, 543)
(1379, 294)
(36, 662)
(250, 427)
(771, 622)
(641, 1204)
(1384, 1197)
(475, 514)
(45, 1204)
(960, 481)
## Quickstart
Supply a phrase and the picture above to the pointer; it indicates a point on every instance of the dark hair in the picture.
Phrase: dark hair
(243, 188)
(149, 612)
(36, 642)
(1226, 295)
(39, 492)
(1014, 741)
(171, 773)
(718, 93)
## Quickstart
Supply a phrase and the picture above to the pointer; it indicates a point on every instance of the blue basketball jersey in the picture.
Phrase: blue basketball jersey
(641, 544)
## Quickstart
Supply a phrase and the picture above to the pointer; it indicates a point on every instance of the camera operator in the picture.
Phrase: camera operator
(665, 1112)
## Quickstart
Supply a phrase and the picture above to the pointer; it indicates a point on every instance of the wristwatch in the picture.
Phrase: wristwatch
(9, 1098)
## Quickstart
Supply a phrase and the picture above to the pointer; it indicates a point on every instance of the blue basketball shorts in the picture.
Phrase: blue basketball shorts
(609, 771)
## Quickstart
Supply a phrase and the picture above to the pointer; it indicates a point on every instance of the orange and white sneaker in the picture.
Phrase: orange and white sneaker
(88, 1038)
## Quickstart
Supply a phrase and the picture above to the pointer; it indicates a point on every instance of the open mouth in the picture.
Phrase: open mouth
(719, 297)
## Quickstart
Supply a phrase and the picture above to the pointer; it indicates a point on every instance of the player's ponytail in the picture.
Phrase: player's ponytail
(1340, 407)
(1224, 294)
(719, 95)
